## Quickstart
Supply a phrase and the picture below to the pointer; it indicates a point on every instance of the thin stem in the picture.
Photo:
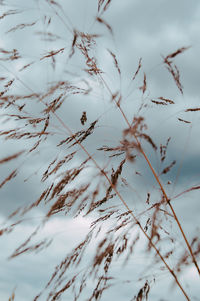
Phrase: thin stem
(157, 179)
(124, 202)
(170, 205)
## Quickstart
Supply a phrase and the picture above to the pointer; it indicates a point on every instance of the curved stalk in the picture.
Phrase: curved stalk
(157, 180)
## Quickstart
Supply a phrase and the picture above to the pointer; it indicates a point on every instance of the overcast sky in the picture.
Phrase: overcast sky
(141, 29)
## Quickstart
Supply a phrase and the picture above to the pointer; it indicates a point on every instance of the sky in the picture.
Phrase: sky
(149, 30)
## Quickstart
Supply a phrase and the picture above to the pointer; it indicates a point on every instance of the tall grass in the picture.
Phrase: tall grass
(97, 165)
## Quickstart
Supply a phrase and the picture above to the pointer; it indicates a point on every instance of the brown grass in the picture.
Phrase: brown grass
(88, 187)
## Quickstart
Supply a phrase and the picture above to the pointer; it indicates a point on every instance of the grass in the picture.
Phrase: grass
(80, 177)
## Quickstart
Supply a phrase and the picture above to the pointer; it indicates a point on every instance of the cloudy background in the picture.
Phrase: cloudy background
(141, 29)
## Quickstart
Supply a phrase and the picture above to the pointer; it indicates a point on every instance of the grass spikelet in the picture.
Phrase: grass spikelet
(149, 140)
(144, 87)
(52, 53)
(138, 69)
(163, 149)
(115, 61)
(102, 21)
(143, 293)
(177, 52)
(183, 120)
(12, 175)
(9, 158)
(9, 13)
(168, 168)
(166, 100)
(172, 68)
(192, 110)
(102, 4)
(73, 44)
(21, 26)
(83, 118)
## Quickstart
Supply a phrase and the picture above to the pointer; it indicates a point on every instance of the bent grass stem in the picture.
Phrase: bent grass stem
(157, 180)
